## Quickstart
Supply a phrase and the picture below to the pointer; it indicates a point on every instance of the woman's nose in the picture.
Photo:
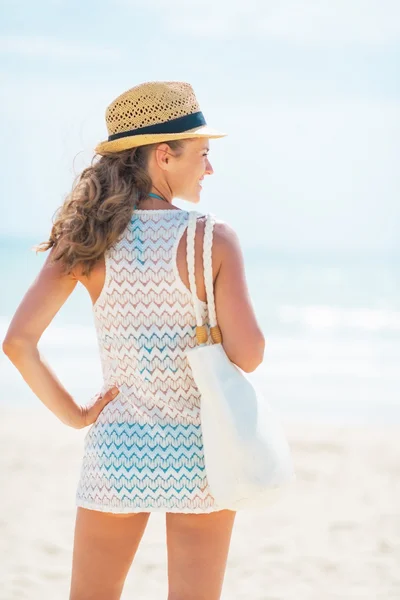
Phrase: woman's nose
(209, 169)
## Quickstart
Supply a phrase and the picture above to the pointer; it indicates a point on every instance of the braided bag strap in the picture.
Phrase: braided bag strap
(201, 330)
(215, 331)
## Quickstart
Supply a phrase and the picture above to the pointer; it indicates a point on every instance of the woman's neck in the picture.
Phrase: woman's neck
(155, 201)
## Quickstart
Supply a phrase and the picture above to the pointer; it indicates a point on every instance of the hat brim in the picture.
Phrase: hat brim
(141, 140)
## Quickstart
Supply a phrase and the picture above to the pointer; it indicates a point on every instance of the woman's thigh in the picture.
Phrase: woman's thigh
(198, 547)
(104, 547)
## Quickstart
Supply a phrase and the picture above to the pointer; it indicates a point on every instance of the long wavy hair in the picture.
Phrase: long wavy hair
(98, 209)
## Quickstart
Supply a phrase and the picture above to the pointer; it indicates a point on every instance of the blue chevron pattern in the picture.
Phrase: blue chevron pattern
(145, 451)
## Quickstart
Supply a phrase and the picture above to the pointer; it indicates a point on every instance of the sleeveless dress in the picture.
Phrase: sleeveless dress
(144, 453)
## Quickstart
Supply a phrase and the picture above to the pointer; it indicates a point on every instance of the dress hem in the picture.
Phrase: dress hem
(135, 510)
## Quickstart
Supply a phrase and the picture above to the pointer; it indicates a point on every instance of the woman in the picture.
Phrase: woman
(119, 234)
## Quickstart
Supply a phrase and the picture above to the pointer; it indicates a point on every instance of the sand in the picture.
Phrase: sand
(335, 536)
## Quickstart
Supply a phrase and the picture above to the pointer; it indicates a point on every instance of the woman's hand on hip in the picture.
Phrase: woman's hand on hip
(90, 412)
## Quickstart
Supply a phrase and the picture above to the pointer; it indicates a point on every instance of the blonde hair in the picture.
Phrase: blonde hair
(98, 209)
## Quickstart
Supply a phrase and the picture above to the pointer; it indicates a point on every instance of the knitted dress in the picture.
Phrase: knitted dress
(145, 451)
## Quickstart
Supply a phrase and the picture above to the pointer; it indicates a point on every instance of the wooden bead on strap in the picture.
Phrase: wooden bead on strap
(201, 334)
(216, 334)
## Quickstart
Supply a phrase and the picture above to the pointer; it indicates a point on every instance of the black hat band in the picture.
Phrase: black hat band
(178, 125)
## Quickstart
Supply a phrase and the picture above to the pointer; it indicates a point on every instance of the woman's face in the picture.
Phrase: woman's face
(183, 174)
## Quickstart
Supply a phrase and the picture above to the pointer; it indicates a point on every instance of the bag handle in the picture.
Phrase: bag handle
(201, 330)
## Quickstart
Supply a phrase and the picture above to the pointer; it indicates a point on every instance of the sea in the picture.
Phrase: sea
(331, 322)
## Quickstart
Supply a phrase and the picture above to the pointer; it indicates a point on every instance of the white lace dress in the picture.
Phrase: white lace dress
(145, 451)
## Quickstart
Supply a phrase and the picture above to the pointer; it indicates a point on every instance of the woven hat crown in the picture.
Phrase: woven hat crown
(149, 104)
(154, 111)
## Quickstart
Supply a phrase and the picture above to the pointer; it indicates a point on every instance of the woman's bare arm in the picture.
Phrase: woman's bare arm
(242, 338)
(37, 309)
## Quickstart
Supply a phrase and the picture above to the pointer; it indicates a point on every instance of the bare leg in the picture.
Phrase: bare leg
(104, 547)
(198, 547)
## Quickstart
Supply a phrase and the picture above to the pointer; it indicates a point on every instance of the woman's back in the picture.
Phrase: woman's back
(144, 316)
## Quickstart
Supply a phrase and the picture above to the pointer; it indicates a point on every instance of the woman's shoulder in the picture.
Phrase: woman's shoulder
(217, 220)
(225, 238)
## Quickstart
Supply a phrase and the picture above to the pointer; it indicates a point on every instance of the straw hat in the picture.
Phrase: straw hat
(156, 111)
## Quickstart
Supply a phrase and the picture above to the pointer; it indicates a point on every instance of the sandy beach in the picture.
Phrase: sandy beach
(336, 535)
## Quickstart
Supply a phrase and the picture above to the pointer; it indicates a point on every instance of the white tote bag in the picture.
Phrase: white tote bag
(247, 457)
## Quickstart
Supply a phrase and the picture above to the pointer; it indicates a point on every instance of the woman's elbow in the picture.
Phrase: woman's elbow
(7, 346)
(13, 347)
(255, 357)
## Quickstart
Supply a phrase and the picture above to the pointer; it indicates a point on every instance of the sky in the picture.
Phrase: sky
(308, 92)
